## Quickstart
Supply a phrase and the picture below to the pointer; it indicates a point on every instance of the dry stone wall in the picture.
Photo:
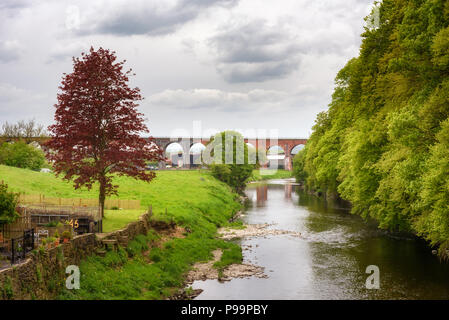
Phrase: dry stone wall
(44, 270)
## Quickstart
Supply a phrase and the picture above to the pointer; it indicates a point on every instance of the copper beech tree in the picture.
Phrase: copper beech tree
(97, 130)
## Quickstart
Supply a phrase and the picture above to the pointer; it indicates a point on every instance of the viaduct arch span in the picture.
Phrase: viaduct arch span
(286, 144)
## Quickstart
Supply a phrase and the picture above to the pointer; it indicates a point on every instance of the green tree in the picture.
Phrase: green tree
(8, 203)
(21, 155)
(229, 160)
(433, 223)
(299, 171)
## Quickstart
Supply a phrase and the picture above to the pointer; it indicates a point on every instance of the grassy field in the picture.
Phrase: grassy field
(193, 199)
(176, 191)
(270, 174)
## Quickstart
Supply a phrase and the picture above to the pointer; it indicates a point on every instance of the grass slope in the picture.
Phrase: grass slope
(176, 191)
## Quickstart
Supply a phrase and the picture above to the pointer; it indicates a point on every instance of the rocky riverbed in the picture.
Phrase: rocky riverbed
(253, 230)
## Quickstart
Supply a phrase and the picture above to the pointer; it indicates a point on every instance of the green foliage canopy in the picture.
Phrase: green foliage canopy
(8, 203)
(229, 159)
(21, 155)
(383, 144)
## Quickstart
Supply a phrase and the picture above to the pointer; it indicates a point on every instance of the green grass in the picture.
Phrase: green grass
(177, 191)
(270, 174)
(229, 256)
(117, 219)
(125, 275)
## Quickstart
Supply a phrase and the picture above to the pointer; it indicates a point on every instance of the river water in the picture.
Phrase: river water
(330, 258)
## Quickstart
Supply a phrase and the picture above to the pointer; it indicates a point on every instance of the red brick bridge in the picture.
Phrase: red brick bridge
(286, 147)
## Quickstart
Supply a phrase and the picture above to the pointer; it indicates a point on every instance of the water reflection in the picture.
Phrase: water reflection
(262, 194)
(330, 259)
(288, 191)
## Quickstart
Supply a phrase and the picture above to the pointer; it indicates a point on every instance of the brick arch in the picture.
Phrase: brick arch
(291, 150)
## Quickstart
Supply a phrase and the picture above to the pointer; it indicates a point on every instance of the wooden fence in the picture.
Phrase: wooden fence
(15, 229)
(77, 202)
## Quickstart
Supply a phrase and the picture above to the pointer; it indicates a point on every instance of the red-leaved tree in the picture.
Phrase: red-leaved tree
(97, 130)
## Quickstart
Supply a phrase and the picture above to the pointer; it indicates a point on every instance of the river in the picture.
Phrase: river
(330, 258)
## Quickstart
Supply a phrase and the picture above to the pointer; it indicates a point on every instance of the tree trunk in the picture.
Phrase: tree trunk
(102, 197)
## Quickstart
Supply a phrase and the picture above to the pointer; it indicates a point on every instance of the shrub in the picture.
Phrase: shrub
(21, 155)
(8, 203)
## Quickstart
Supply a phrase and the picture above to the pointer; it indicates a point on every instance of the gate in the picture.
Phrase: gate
(19, 247)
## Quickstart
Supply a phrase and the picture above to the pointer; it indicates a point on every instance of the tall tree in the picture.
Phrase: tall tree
(229, 159)
(97, 130)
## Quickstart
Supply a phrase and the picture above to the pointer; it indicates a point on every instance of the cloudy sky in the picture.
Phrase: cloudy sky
(210, 64)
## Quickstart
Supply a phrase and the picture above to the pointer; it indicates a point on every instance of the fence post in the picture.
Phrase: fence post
(13, 251)
(32, 237)
(23, 248)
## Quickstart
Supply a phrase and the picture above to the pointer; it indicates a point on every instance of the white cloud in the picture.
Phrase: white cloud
(20, 104)
(65, 51)
(10, 50)
(214, 100)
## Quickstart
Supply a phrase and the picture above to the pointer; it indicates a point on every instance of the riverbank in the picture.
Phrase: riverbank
(268, 174)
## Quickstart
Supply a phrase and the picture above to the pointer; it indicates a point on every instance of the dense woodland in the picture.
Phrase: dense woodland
(383, 144)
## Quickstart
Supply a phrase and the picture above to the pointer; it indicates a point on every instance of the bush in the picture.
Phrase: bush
(21, 155)
(8, 203)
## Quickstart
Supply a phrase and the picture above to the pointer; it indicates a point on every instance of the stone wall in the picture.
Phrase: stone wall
(44, 270)
(123, 236)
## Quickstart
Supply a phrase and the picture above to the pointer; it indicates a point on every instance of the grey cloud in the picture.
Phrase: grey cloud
(257, 72)
(143, 18)
(255, 52)
(218, 100)
(13, 4)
